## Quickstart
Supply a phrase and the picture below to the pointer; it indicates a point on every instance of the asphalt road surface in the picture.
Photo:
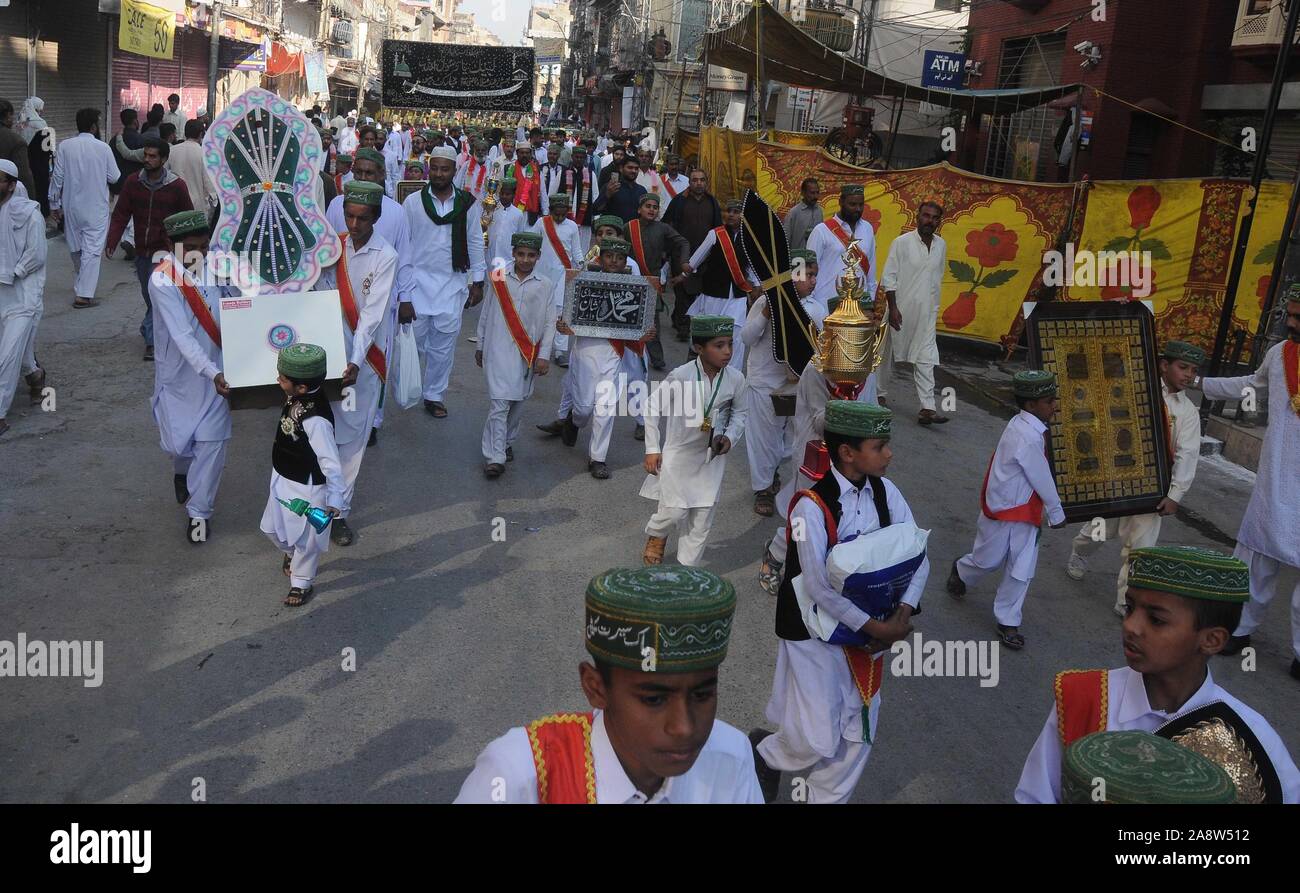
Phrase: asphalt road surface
(456, 636)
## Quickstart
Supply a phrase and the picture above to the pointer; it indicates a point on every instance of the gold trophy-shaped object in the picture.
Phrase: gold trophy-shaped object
(849, 345)
(490, 201)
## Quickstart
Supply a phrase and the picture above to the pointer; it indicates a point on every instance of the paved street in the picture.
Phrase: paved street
(457, 637)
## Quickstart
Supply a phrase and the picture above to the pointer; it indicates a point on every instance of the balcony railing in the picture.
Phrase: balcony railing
(1260, 24)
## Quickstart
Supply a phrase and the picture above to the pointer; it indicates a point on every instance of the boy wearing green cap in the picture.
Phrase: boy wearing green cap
(506, 221)
(561, 250)
(771, 436)
(729, 284)
(190, 391)
(1018, 489)
(695, 417)
(657, 637)
(826, 690)
(304, 465)
(1182, 429)
(515, 330)
(1182, 604)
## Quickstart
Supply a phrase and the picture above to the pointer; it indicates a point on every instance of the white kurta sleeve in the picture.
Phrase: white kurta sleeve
(477, 250)
(1033, 462)
(573, 245)
(1040, 780)
(657, 409)
(56, 183)
(370, 315)
(936, 290)
(547, 288)
(889, 279)
(1233, 388)
(808, 532)
(320, 434)
(501, 773)
(171, 309)
(1187, 452)
(35, 250)
(755, 325)
(490, 297)
(702, 253)
(734, 429)
(869, 249)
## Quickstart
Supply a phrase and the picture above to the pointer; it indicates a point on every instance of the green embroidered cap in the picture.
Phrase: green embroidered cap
(526, 240)
(1181, 350)
(735, 204)
(301, 362)
(647, 199)
(429, 134)
(184, 222)
(369, 154)
(343, 156)
(508, 185)
(1139, 767)
(709, 326)
(659, 619)
(363, 192)
(803, 254)
(1030, 384)
(852, 189)
(854, 419)
(608, 220)
(1190, 571)
(615, 245)
(561, 198)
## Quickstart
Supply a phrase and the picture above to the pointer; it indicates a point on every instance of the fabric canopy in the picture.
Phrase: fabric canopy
(793, 57)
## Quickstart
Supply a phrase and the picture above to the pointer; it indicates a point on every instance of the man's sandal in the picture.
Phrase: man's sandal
(769, 573)
(1010, 637)
(298, 596)
(764, 503)
(654, 550)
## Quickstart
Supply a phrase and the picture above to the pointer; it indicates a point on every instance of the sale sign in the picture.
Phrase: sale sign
(147, 30)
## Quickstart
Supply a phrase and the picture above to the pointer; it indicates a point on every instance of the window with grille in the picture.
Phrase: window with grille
(1020, 144)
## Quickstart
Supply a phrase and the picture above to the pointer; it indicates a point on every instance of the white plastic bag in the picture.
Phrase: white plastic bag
(408, 387)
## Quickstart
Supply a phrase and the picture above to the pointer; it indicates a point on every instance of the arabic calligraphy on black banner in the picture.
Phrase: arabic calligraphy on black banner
(449, 76)
(608, 305)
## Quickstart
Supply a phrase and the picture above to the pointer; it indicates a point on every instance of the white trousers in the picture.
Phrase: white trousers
(1263, 586)
(1134, 532)
(1009, 602)
(18, 323)
(634, 369)
(828, 780)
(769, 438)
(599, 407)
(350, 455)
(438, 351)
(886, 369)
(86, 265)
(202, 475)
(501, 428)
(923, 374)
(692, 528)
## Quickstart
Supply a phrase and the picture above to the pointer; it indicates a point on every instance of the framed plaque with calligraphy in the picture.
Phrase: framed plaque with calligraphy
(609, 305)
(457, 76)
(406, 187)
(1109, 448)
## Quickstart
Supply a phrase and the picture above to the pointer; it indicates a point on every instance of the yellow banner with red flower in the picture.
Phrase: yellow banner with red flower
(1169, 242)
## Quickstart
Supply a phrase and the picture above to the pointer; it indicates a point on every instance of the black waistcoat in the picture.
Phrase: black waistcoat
(292, 455)
(715, 277)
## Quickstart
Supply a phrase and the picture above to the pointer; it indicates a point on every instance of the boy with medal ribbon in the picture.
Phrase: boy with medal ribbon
(686, 444)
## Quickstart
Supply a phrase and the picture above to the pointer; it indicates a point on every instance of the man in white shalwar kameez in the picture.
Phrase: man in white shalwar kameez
(515, 293)
(829, 240)
(771, 437)
(435, 282)
(395, 152)
(190, 390)
(83, 168)
(696, 415)
(913, 274)
(371, 265)
(1017, 491)
(1269, 537)
(22, 287)
(825, 728)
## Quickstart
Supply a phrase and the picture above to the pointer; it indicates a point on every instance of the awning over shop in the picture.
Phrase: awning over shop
(792, 57)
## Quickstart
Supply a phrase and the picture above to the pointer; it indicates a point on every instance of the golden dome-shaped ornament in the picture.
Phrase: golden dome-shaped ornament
(850, 342)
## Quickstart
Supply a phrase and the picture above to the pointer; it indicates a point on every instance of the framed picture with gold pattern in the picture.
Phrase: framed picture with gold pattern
(1109, 449)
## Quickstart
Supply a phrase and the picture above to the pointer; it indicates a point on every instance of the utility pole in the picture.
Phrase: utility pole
(214, 57)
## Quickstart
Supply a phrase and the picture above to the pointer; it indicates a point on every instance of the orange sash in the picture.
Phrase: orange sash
(562, 757)
(867, 671)
(548, 223)
(1029, 513)
(527, 349)
(835, 227)
(374, 356)
(634, 230)
(1291, 366)
(338, 183)
(619, 345)
(733, 262)
(198, 306)
(1081, 703)
(668, 186)
(528, 194)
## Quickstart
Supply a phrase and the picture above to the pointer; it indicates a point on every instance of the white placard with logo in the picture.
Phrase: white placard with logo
(254, 329)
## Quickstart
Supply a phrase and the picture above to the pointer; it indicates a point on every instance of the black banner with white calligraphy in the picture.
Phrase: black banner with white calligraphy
(449, 76)
(609, 305)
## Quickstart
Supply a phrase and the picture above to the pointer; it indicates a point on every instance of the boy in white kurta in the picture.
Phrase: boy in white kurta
(506, 221)
(305, 469)
(913, 274)
(1181, 605)
(22, 288)
(1018, 487)
(365, 277)
(190, 391)
(1267, 540)
(515, 329)
(729, 284)
(1182, 425)
(561, 252)
(771, 437)
(696, 415)
(826, 698)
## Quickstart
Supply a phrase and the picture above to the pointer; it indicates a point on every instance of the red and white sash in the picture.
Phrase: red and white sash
(198, 306)
(668, 185)
(374, 356)
(638, 250)
(562, 758)
(733, 263)
(527, 347)
(578, 215)
(552, 236)
(834, 225)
